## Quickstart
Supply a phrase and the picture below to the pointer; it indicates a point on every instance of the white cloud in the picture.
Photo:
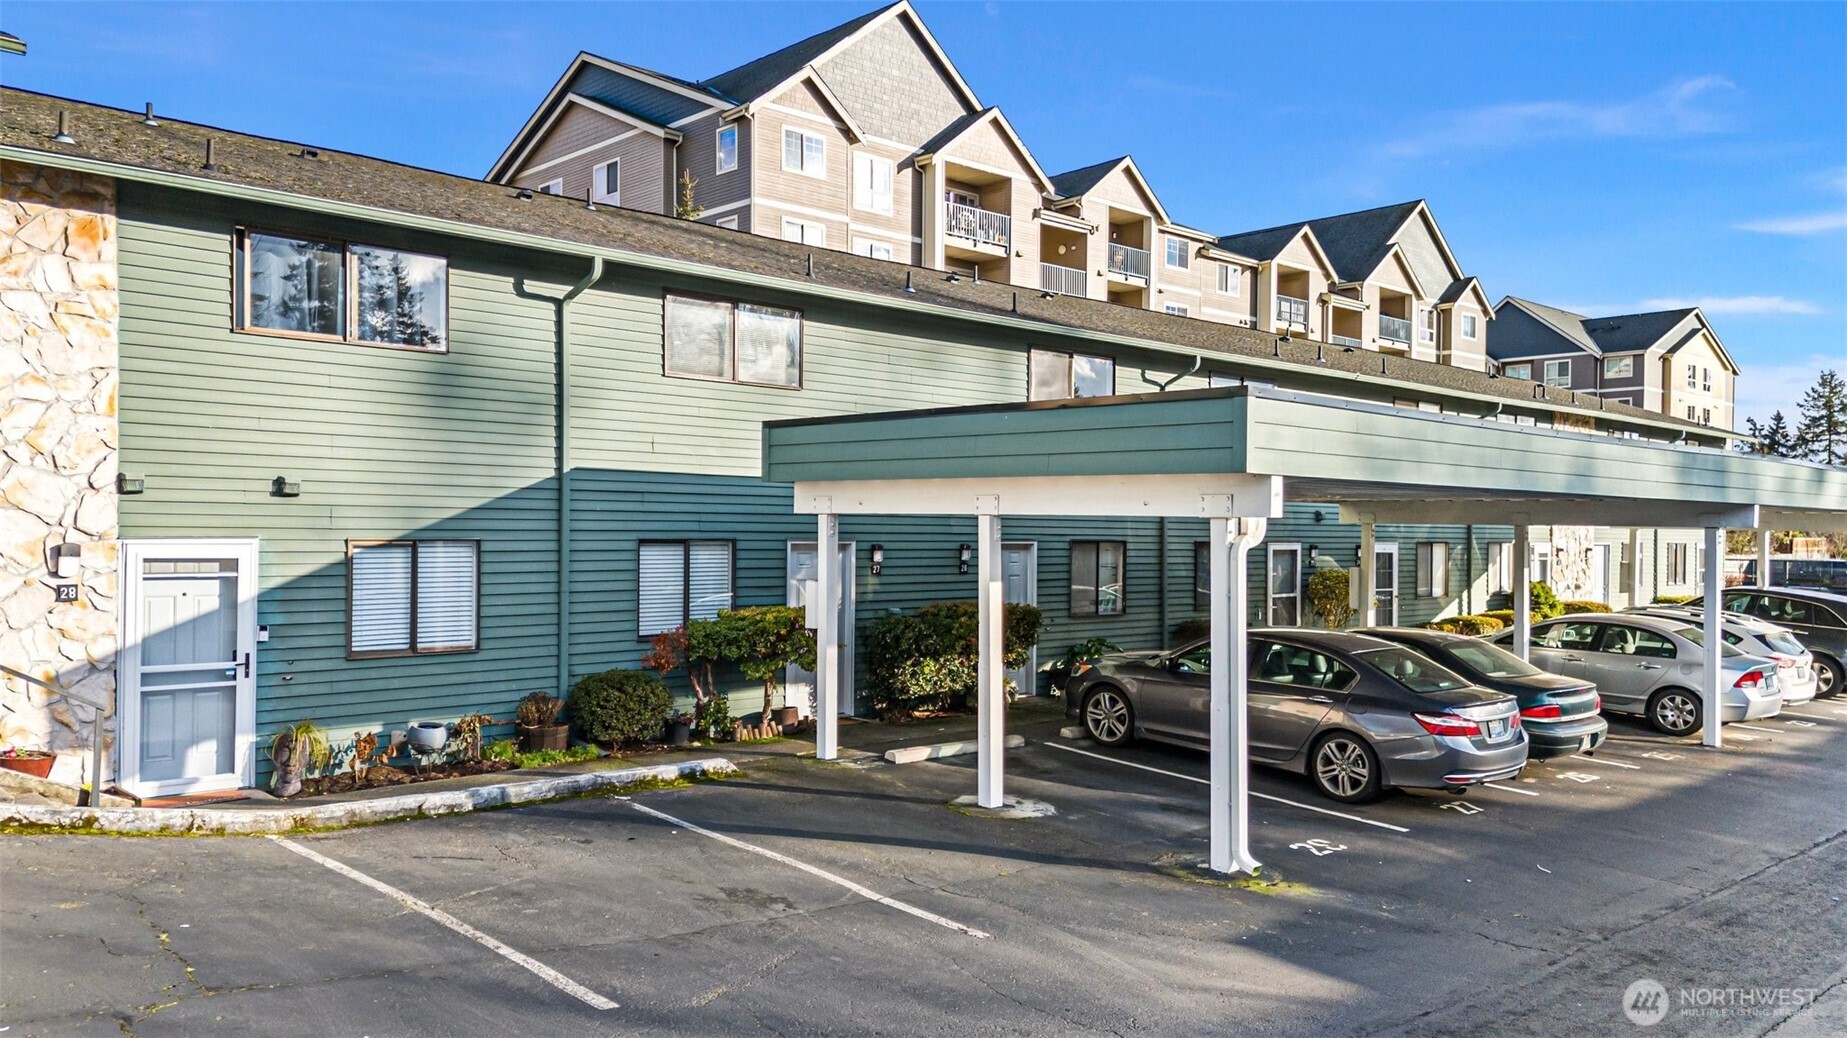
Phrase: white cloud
(1814, 223)
(1672, 111)
(1778, 387)
(1755, 306)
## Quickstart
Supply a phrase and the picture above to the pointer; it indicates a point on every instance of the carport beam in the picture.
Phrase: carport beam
(827, 637)
(1763, 557)
(1523, 590)
(1369, 576)
(1230, 666)
(993, 668)
(1714, 681)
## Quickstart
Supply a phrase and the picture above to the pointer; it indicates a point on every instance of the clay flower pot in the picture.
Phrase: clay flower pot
(36, 763)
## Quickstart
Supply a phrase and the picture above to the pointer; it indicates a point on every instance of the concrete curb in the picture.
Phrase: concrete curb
(238, 822)
(913, 754)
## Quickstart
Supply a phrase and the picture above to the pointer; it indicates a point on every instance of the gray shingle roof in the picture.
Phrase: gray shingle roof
(1627, 333)
(750, 80)
(175, 147)
(1354, 242)
(1261, 245)
(1556, 331)
(951, 132)
(1076, 182)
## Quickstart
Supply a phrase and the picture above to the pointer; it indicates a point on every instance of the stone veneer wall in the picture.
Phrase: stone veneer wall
(1571, 560)
(58, 383)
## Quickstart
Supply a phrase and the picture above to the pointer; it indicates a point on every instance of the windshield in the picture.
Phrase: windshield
(1698, 637)
(1492, 660)
(1413, 671)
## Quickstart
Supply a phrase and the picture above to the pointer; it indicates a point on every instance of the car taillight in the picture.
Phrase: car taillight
(1447, 724)
(1596, 704)
(1549, 711)
(1749, 679)
(1783, 662)
(1080, 667)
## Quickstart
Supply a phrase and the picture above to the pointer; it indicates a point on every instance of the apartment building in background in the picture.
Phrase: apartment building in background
(1669, 361)
(866, 139)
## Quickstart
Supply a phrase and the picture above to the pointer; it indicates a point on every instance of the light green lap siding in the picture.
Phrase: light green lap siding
(385, 443)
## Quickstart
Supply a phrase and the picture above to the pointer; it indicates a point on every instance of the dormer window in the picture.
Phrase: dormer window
(1471, 326)
(1179, 256)
(1427, 325)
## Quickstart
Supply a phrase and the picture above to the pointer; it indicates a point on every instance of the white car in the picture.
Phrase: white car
(1796, 674)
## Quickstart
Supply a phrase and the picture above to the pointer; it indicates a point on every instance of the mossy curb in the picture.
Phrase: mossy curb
(1189, 868)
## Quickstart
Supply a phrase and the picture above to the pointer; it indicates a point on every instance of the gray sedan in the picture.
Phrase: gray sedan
(1653, 666)
(1356, 714)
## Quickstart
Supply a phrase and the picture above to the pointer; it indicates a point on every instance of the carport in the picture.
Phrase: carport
(1227, 455)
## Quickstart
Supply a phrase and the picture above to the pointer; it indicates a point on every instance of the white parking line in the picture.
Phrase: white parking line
(1611, 763)
(1752, 728)
(1510, 789)
(865, 892)
(539, 969)
(1206, 782)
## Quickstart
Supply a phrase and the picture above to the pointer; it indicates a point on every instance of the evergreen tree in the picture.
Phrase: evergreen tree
(1773, 437)
(1821, 428)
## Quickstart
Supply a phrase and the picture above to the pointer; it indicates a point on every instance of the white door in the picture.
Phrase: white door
(1020, 574)
(188, 690)
(1599, 573)
(800, 682)
(1385, 583)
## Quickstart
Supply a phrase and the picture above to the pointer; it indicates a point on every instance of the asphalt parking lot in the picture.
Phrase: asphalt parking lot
(807, 898)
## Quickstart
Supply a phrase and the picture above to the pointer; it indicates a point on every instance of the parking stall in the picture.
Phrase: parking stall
(1230, 456)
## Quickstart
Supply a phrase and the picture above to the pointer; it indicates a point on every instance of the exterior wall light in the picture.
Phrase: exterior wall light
(281, 487)
(962, 557)
(878, 559)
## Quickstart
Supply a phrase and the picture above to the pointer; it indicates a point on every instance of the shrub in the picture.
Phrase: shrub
(1504, 616)
(761, 640)
(1674, 599)
(1329, 596)
(1584, 606)
(619, 706)
(1545, 603)
(930, 660)
(1476, 624)
(538, 709)
(1191, 631)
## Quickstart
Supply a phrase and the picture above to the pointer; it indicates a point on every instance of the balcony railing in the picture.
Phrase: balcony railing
(1396, 329)
(982, 226)
(1345, 340)
(1126, 259)
(1065, 281)
(1292, 311)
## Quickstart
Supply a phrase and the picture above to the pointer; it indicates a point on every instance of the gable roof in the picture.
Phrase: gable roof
(1631, 333)
(811, 76)
(1565, 332)
(1394, 252)
(768, 74)
(962, 127)
(1268, 244)
(1457, 289)
(635, 92)
(1078, 182)
(254, 170)
(1356, 243)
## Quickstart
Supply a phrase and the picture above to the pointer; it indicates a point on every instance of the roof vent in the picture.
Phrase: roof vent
(525, 192)
(309, 153)
(148, 119)
(211, 154)
(64, 129)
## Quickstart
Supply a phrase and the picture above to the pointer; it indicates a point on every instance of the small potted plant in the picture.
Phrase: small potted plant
(536, 720)
(679, 730)
(36, 763)
(296, 749)
(428, 737)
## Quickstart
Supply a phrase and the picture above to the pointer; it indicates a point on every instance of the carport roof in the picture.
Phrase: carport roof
(1381, 463)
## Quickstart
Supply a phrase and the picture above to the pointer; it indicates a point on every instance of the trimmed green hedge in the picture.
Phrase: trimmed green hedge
(929, 660)
(1585, 606)
(1545, 603)
(1505, 616)
(620, 706)
(1674, 599)
(1477, 624)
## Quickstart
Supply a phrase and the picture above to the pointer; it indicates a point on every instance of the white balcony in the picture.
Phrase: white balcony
(981, 226)
(1128, 261)
(1394, 329)
(1065, 281)
(1345, 340)
(1291, 311)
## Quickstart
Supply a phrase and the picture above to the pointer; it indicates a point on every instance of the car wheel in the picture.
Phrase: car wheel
(1674, 711)
(1344, 768)
(1108, 717)
(1828, 676)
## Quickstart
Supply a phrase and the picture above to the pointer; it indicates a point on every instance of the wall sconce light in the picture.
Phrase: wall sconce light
(1359, 555)
(962, 557)
(65, 560)
(1320, 516)
(126, 484)
(281, 487)
(1313, 550)
(878, 559)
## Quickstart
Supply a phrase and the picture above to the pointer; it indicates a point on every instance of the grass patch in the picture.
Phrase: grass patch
(1189, 868)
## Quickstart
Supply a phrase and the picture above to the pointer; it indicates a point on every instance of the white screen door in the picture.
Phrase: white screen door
(801, 572)
(1020, 575)
(188, 692)
(1385, 583)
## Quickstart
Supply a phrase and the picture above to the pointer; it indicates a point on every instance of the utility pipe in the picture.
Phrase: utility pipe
(564, 469)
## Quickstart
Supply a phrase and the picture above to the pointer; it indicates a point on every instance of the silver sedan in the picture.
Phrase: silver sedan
(1654, 666)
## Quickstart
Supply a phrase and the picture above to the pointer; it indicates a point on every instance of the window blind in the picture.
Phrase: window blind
(447, 595)
(381, 593)
(662, 588)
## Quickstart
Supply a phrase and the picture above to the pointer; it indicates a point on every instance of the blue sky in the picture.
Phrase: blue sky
(1603, 158)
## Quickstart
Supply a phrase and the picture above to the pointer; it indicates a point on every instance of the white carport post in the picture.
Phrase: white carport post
(1369, 576)
(1523, 589)
(1714, 684)
(1230, 751)
(1763, 557)
(826, 614)
(992, 734)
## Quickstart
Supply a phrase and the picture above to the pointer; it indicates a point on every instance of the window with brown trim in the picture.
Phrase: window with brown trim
(341, 291)
(409, 598)
(677, 581)
(1097, 569)
(732, 342)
